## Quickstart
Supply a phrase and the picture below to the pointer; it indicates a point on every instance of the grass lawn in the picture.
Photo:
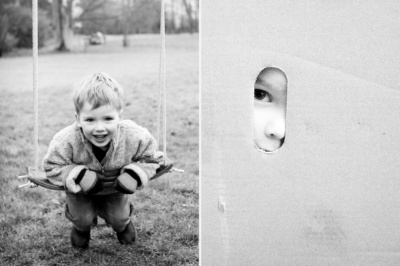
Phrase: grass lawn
(33, 228)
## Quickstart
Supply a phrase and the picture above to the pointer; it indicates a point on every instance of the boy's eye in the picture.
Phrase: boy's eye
(89, 119)
(262, 95)
(109, 118)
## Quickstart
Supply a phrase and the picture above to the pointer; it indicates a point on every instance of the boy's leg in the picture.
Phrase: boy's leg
(116, 210)
(81, 212)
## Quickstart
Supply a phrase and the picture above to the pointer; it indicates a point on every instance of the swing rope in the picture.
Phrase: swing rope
(35, 55)
(162, 101)
(35, 84)
(162, 115)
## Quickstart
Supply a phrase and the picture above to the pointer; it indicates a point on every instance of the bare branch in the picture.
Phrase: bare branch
(90, 8)
(97, 18)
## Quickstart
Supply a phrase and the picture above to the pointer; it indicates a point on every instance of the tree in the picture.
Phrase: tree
(3, 32)
(145, 17)
(64, 21)
(16, 24)
(104, 17)
(170, 16)
(126, 13)
(191, 8)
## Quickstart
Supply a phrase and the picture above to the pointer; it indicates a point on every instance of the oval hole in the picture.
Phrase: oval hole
(270, 100)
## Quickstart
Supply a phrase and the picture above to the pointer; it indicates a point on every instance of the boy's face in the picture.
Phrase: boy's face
(98, 125)
(270, 94)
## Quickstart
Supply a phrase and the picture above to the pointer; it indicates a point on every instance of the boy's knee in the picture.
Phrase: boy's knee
(119, 225)
(118, 220)
(82, 220)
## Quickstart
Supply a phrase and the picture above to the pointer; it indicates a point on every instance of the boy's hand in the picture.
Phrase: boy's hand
(86, 181)
(127, 182)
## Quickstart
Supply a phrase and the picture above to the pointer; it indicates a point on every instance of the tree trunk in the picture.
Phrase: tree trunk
(126, 11)
(171, 21)
(3, 32)
(62, 21)
(189, 10)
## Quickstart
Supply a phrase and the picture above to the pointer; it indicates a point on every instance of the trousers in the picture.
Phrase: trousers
(82, 209)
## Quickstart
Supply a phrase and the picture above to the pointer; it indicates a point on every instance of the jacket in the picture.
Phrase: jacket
(132, 148)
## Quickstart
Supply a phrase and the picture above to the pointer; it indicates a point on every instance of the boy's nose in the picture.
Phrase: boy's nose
(276, 128)
(99, 127)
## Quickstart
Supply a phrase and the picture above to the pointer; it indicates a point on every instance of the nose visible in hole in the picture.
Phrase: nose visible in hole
(270, 100)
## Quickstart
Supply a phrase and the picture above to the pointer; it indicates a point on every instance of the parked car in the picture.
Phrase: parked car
(97, 38)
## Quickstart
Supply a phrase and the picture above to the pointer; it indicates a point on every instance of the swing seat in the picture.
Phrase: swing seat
(42, 181)
(163, 169)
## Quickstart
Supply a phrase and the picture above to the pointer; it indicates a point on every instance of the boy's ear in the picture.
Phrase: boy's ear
(77, 120)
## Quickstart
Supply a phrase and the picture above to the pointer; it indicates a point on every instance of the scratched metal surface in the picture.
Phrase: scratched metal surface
(330, 195)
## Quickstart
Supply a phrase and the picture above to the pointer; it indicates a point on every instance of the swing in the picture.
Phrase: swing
(37, 177)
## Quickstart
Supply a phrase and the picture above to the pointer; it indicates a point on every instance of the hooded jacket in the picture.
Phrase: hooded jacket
(132, 148)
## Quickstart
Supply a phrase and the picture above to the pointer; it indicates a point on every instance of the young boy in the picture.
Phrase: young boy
(270, 94)
(100, 159)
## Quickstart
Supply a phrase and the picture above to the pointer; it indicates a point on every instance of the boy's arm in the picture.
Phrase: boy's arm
(146, 160)
(58, 165)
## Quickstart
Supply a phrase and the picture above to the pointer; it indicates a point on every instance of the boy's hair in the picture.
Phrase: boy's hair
(99, 89)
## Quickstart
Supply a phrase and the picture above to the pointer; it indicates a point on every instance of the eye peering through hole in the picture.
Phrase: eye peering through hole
(270, 101)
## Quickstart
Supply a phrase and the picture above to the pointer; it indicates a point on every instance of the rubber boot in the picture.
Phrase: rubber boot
(80, 239)
(128, 235)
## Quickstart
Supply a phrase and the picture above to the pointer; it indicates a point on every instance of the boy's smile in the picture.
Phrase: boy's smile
(270, 92)
(98, 125)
